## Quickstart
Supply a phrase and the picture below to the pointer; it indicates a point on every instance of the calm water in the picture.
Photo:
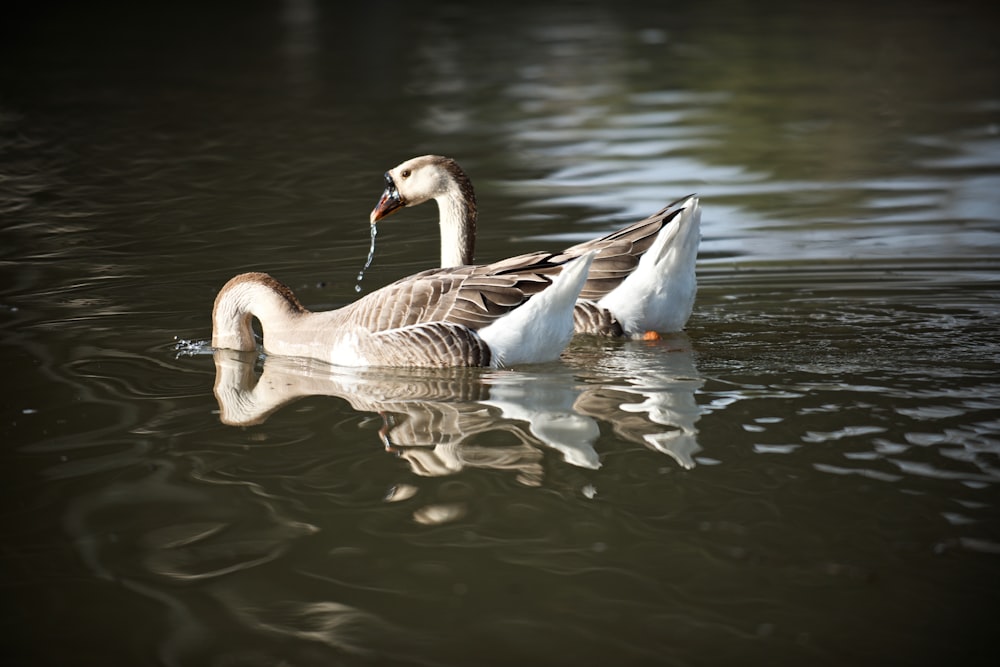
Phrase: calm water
(810, 474)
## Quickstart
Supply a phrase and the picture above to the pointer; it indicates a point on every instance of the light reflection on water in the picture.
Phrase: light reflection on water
(620, 159)
(810, 474)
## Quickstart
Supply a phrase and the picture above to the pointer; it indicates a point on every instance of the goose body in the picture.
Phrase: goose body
(642, 277)
(506, 313)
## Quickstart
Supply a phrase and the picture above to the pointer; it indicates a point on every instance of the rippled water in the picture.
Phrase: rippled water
(807, 475)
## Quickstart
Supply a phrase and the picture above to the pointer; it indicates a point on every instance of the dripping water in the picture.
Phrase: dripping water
(368, 262)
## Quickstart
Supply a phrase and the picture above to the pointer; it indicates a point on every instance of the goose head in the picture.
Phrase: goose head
(428, 177)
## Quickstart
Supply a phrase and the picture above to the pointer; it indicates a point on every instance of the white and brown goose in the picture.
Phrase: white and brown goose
(642, 279)
(497, 315)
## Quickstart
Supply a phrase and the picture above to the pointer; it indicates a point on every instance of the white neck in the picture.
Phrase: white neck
(239, 302)
(457, 220)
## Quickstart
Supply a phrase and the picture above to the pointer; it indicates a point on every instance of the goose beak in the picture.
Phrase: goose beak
(389, 202)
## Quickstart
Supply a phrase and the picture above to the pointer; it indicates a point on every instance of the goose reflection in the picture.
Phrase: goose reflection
(429, 417)
(646, 392)
(442, 421)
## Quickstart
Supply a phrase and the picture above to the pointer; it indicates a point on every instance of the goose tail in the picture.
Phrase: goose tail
(659, 294)
(539, 330)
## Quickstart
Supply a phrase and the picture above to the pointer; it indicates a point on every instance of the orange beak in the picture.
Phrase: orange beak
(389, 202)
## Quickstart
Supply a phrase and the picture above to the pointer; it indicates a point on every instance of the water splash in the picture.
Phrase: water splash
(190, 348)
(368, 262)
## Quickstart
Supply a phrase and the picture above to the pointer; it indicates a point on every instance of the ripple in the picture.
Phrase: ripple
(846, 432)
(331, 623)
(864, 472)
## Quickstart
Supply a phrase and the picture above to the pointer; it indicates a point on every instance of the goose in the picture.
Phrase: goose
(497, 315)
(642, 279)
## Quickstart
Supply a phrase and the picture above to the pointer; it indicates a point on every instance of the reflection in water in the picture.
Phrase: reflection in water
(214, 541)
(546, 403)
(589, 137)
(435, 419)
(655, 405)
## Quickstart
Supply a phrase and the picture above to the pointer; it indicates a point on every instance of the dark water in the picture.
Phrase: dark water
(810, 474)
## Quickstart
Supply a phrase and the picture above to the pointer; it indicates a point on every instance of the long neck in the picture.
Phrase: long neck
(458, 213)
(248, 296)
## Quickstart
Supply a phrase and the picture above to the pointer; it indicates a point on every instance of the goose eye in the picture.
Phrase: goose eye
(405, 173)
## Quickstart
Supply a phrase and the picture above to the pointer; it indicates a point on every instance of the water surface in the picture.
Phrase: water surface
(807, 475)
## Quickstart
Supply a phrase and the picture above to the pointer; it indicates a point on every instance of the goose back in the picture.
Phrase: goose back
(472, 296)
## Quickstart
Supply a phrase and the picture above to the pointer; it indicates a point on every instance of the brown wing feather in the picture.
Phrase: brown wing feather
(431, 344)
(590, 318)
(620, 251)
(472, 296)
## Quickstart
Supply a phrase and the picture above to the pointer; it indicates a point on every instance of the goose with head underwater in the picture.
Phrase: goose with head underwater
(498, 315)
(642, 279)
